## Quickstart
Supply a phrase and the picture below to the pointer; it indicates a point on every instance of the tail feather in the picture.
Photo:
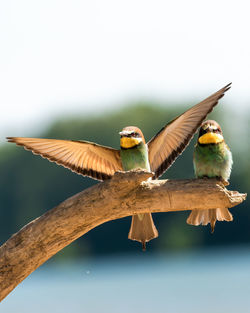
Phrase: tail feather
(224, 215)
(142, 229)
(204, 217)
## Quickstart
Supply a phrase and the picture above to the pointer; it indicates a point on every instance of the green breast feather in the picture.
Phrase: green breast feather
(213, 160)
(136, 157)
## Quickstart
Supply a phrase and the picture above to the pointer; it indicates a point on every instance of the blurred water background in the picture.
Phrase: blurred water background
(213, 281)
(84, 70)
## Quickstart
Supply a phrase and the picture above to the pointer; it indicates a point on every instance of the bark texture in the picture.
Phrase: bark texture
(124, 195)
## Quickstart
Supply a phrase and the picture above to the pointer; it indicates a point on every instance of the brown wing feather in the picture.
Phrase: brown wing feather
(82, 157)
(176, 135)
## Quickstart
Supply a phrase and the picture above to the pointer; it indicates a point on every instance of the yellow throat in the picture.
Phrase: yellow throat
(129, 142)
(210, 138)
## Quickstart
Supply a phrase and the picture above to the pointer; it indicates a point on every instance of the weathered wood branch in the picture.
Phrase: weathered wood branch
(124, 195)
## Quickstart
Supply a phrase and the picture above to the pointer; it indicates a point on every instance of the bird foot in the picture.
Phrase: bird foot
(223, 181)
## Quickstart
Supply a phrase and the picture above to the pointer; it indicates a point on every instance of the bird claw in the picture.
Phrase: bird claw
(223, 181)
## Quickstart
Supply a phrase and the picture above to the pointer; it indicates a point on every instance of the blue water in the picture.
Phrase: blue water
(214, 281)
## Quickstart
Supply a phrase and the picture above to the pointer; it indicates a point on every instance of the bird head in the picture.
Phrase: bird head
(210, 133)
(131, 137)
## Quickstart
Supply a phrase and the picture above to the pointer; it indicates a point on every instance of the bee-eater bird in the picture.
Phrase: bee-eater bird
(212, 158)
(99, 162)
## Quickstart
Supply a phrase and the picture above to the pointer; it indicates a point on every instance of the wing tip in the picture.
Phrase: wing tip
(221, 95)
(227, 87)
(10, 139)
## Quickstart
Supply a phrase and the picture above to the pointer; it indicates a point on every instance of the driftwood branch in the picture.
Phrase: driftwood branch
(124, 195)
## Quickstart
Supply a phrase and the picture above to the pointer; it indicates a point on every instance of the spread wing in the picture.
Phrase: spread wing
(176, 135)
(82, 157)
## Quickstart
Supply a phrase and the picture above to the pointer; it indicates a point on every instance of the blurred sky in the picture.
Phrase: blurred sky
(60, 57)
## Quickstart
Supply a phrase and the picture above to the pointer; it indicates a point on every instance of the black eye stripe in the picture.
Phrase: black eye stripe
(205, 131)
(135, 135)
(202, 131)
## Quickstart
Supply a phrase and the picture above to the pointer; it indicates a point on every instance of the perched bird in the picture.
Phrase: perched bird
(99, 162)
(134, 154)
(212, 158)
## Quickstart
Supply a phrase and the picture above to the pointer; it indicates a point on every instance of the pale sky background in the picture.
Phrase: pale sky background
(59, 57)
